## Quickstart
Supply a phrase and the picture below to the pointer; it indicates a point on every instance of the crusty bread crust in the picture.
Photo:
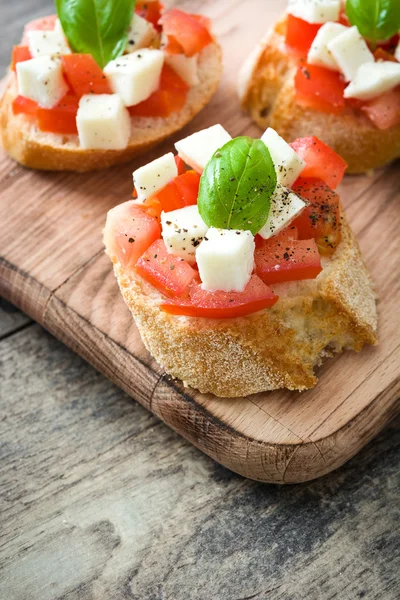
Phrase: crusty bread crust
(274, 348)
(266, 89)
(26, 144)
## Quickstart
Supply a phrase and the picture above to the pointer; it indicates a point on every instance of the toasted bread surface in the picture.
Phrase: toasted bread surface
(267, 92)
(29, 146)
(274, 348)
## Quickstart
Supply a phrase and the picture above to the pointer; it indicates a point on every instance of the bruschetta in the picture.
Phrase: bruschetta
(238, 264)
(67, 109)
(314, 71)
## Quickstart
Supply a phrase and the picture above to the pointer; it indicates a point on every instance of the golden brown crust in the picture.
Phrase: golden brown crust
(22, 140)
(266, 88)
(275, 348)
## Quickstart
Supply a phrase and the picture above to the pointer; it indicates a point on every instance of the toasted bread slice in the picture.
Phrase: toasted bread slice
(274, 348)
(31, 147)
(266, 90)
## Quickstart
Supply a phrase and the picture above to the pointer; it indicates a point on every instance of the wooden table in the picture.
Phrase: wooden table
(99, 500)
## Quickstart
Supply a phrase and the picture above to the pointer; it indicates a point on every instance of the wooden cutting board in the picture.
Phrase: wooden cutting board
(53, 267)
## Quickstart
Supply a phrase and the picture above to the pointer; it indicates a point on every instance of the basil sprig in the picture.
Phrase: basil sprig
(96, 27)
(377, 20)
(236, 186)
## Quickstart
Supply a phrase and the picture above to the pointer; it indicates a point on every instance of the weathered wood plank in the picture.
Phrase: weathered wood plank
(101, 500)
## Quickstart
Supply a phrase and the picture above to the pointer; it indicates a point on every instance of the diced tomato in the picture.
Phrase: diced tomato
(321, 218)
(287, 260)
(188, 186)
(42, 24)
(343, 19)
(384, 110)
(222, 305)
(61, 118)
(84, 75)
(152, 207)
(129, 231)
(382, 54)
(289, 233)
(300, 34)
(187, 31)
(169, 197)
(169, 98)
(22, 105)
(170, 274)
(151, 11)
(20, 54)
(321, 161)
(180, 165)
(319, 88)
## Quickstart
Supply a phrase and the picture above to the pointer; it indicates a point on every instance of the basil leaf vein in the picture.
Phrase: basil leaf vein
(377, 20)
(236, 186)
(96, 27)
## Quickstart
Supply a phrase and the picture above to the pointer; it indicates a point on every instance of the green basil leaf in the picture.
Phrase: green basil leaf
(377, 20)
(236, 186)
(96, 27)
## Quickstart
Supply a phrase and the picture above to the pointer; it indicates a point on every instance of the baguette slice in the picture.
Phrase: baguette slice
(33, 148)
(266, 90)
(275, 348)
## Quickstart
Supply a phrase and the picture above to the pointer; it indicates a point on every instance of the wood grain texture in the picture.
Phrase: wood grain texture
(60, 276)
(100, 501)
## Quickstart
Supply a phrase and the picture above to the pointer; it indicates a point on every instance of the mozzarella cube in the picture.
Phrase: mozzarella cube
(135, 76)
(184, 66)
(41, 79)
(141, 33)
(103, 122)
(47, 43)
(154, 176)
(197, 149)
(225, 259)
(350, 51)
(288, 164)
(285, 206)
(182, 231)
(319, 54)
(58, 27)
(373, 80)
(315, 11)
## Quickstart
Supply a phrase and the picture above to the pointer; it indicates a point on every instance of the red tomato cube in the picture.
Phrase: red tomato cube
(300, 34)
(84, 75)
(321, 161)
(287, 260)
(61, 118)
(188, 186)
(321, 217)
(22, 105)
(223, 305)
(186, 31)
(129, 231)
(319, 89)
(151, 11)
(170, 274)
(384, 110)
(20, 54)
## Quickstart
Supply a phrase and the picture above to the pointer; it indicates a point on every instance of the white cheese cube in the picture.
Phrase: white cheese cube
(225, 259)
(154, 176)
(373, 80)
(47, 43)
(135, 76)
(184, 66)
(141, 33)
(58, 27)
(350, 51)
(103, 122)
(182, 231)
(319, 54)
(197, 149)
(41, 79)
(315, 11)
(288, 164)
(285, 206)
(397, 52)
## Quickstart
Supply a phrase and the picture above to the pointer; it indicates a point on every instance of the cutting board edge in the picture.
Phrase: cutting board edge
(264, 460)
